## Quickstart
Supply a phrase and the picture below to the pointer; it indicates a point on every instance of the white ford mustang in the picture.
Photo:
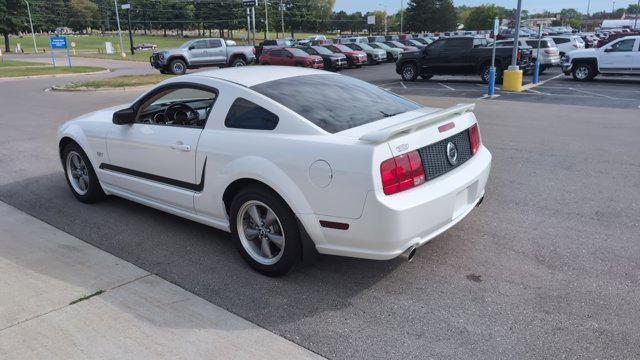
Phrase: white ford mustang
(293, 162)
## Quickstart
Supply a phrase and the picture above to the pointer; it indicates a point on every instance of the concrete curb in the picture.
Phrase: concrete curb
(80, 89)
(53, 75)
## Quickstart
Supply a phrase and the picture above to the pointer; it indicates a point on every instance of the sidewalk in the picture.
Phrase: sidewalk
(47, 278)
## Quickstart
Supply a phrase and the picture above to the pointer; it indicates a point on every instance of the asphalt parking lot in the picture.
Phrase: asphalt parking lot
(613, 92)
(547, 267)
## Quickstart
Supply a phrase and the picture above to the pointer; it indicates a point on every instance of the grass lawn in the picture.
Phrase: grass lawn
(45, 70)
(119, 81)
(12, 63)
(91, 43)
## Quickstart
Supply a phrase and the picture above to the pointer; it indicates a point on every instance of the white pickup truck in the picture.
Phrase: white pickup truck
(620, 57)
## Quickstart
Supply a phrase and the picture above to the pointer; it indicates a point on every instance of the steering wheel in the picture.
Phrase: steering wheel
(181, 114)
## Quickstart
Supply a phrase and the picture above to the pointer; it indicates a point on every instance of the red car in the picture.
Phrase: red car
(355, 58)
(290, 57)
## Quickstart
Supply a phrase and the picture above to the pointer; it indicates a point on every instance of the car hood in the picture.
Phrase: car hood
(582, 53)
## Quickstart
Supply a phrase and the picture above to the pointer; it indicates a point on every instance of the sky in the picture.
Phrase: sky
(531, 5)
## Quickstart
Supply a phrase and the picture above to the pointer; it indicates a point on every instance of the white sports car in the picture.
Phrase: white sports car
(293, 162)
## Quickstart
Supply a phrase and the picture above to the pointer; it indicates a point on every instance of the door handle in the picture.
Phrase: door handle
(181, 147)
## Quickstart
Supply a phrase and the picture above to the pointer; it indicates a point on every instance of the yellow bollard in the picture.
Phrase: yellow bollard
(512, 80)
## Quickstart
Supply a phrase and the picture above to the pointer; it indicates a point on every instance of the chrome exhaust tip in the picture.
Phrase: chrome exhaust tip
(409, 253)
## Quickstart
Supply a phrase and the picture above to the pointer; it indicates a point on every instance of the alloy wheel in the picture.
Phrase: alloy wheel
(582, 72)
(77, 173)
(260, 232)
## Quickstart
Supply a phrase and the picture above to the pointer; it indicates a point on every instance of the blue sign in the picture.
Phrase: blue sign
(58, 42)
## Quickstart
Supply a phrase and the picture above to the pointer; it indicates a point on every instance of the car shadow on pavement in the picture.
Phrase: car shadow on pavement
(196, 257)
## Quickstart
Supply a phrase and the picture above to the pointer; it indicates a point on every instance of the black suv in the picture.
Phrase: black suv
(332, 61)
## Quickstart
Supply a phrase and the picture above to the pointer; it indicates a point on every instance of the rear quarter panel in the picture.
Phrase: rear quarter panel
(281, 159)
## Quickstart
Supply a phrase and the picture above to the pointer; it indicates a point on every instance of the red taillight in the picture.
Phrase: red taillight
(519, 55)
(474, 138)
(549, 51)
(402, 172)
(253, 51)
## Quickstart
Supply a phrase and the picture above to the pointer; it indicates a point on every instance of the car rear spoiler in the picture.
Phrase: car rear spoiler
(411, 125)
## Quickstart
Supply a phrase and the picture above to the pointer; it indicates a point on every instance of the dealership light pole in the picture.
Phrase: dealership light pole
(635, 24)
(266, 20)
(588, 7)
(119, 30)
(282, 16)
(516, 37)
(401, 16)
(128, 8)
(35, 47)
(385, 18)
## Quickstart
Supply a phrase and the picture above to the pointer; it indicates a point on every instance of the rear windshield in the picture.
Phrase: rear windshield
(543, 44)
(335, 102)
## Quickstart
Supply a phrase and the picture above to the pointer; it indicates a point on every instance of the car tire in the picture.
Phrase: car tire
(238, 62)
(583, 72)
(164, 72)
(409, 72)
(178, 67)
(257, 242)
(484, 74)
(80, 176)
(264, 63)
(426, 77)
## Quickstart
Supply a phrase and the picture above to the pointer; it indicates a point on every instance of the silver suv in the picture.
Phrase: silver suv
(200, 53)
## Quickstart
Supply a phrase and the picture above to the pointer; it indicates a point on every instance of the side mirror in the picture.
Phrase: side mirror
(124, 116)
(608, 50)
(191, 47)
(290, 56)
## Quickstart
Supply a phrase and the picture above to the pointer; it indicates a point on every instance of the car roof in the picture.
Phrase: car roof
(253, 75)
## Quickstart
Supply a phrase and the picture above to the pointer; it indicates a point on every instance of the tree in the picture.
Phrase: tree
(431, 15)
(481, 17)
(12, 19)
(82, 14)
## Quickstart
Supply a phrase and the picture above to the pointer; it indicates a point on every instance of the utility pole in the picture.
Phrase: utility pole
(115, 2)
(635, 24)
(282, 16)
(588, 8)
(248, 26)
(401, 16)
(514, 54)
(613, 7)
(35, 47)
(253, 20)
(266, 20)
(128, 8)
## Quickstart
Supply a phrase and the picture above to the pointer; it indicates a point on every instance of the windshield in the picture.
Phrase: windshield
(336, 112)
(344, 48)
(383, 46)
(322, 50)
(365, 46)
(297, 52)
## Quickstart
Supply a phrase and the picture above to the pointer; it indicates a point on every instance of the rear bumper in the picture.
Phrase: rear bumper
(390, 225)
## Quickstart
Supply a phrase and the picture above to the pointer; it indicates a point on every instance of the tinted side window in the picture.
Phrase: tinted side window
(214, 43)
(624, 45)
(561, 40)
(439, 44)
(244, 114)
(200, 44)
(459, 43)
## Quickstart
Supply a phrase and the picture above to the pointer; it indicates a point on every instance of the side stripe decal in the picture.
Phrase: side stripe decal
(161, 179)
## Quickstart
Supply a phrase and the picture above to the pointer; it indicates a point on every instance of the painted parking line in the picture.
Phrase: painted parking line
(539, 83)
(446, 86)
(403, 85)
(594, 94)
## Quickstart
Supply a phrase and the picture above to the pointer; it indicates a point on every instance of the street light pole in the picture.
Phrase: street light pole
(35, 47)
(401, 16)
(282, 17)
(266, 20)
(115, 2)
(385, 18)
(133, 50)
(516, 37)
(588, 7)
(635, 24)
